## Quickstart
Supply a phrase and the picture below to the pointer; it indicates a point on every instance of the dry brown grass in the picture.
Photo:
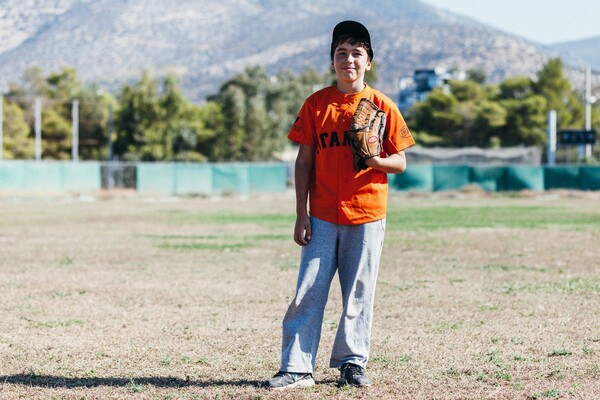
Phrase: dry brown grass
(119, 297)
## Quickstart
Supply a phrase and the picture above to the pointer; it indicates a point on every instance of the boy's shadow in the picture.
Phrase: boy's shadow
(166, 382)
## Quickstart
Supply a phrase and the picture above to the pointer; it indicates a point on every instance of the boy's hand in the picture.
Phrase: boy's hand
(302, 230)
(392, 164)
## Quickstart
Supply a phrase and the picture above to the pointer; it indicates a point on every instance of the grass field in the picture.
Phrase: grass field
(132, 297)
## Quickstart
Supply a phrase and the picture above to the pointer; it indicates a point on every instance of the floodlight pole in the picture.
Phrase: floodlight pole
(38, 129)
(1, 126)
(589, 100)
(110, 179)
(551, 137)
(75, 130)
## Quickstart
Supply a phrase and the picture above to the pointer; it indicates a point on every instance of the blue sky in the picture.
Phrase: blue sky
(543, 21)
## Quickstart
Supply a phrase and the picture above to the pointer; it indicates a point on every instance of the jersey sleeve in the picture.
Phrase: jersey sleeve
(398, 136)
(303, 129)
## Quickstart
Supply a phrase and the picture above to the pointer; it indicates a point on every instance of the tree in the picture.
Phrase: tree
(57, 91)
(552, 85)
(94, 105)
(465, 91)
(61, 88)
(512, 113)
(195, 139)
(490, 119)
(260, 110)
(477, 75)
(229, 142)
(525, 121)
(437, 115)
(371, 75)
(138, 109)
(285, 97)
(517, 87)
(482, 118)
(155, 122)
(16, 143)
(33, 84)
(56, 135)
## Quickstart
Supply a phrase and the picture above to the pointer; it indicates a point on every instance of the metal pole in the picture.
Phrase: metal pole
(589, 100)
(1, 127)
(38, 129)
(75, 130)
(551, 137)
(110, 132)
(110, 178)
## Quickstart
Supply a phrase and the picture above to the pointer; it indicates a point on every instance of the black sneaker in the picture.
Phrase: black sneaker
(352, 374)
(289, 380)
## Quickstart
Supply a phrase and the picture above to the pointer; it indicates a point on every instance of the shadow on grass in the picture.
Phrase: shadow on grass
(167, 382)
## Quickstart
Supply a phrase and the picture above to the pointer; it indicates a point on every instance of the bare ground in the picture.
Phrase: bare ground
(120, 296)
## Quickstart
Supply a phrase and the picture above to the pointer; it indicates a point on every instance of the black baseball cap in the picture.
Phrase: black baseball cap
(355, 29)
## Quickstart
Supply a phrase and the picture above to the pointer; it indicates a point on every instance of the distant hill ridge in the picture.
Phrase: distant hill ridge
(207, 42)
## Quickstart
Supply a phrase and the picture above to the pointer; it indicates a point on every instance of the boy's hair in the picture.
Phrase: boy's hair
(354, 33)
(353, 41)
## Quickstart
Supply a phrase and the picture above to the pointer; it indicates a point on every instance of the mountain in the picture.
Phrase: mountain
(584, 51)
(206, 42)
(21, 19)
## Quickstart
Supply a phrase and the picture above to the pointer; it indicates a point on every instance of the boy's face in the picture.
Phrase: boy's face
(351, 62)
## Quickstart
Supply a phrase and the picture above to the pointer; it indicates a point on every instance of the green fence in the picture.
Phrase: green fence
(204, 178)
(50, 175)
(184, 178)
(497, 178)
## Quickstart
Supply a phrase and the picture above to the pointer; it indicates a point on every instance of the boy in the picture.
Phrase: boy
(345, 228)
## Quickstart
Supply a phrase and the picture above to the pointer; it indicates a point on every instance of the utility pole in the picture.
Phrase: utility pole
(110, 178)
(551, 137)
(589, 100)
(75, 130)
(38, 129)
(1, 126)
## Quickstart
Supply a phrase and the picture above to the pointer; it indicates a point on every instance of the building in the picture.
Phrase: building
(416, 88)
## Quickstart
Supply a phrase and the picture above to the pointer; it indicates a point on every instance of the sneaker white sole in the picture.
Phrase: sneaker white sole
(303, 383)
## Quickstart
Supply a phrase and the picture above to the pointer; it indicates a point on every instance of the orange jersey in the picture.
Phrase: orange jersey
(338, 194)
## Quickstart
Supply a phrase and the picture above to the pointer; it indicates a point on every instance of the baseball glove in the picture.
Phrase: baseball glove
(366, 131)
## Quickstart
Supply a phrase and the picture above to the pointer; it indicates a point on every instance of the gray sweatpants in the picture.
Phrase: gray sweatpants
(354, 251)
